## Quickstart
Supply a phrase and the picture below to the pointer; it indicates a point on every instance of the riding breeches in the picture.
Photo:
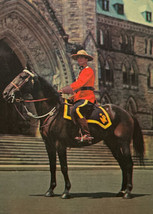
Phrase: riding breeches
(81, 109)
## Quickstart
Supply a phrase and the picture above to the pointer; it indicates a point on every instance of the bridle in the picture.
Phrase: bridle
(26, 80)
(22, 101)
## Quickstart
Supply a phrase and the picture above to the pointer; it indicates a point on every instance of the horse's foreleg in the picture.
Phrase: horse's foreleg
(51, 150)
(64, 168)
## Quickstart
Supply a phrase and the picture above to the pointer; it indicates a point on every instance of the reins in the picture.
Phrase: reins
(30, 114)
(49, 114)
(34, 101)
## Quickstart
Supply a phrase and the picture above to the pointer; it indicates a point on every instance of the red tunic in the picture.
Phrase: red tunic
(86, 78)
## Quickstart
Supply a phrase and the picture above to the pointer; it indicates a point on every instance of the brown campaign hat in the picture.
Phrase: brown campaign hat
(82, 53)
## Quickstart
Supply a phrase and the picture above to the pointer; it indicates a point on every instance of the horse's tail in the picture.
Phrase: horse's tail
(138, 141)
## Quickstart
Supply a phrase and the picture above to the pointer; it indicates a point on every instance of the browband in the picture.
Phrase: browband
(28, 72)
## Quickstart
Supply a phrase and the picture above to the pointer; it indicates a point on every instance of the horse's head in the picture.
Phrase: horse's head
(22, 82)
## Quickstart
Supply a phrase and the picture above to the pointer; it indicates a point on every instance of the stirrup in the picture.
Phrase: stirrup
(84, 138)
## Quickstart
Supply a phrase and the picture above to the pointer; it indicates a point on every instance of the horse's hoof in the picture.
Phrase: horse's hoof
(66, 196)
(49, 194)
(127, 195)
(120, 194)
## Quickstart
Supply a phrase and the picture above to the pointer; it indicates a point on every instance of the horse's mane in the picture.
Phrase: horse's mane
(48, 90)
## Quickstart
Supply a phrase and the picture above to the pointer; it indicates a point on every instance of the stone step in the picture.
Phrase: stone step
(21, 150)
(29, 151)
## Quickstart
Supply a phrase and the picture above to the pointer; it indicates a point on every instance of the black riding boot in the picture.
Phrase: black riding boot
(85, 131)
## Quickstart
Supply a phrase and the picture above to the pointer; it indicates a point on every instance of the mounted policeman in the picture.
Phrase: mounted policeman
(83, 94)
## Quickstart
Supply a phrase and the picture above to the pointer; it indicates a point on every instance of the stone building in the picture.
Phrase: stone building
(43, 34)
(124, 40)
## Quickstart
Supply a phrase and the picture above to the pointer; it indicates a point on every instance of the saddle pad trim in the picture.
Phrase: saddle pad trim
(66, 116)
(66, 110)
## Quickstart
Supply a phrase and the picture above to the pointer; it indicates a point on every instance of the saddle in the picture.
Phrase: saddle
(98, 115)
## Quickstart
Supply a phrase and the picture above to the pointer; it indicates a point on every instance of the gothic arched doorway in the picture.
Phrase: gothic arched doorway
(10, 66)
(131, 106)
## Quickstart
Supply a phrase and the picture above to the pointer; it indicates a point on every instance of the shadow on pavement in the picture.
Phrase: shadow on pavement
(101, 195)
(92, 195)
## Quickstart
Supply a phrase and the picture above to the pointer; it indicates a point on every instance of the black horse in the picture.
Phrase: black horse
(59, 133)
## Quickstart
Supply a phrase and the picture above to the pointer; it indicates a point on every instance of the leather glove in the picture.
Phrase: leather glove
(66, 90)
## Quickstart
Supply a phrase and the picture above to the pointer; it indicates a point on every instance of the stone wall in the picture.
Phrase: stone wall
(78, 19)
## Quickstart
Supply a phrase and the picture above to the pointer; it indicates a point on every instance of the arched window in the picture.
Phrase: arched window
(104, 38)
(105, 72)
(125, 75)
(131, 106)
(130, 74)
(126, 39)
(134, 75)
(146, 46)
(101, 73)
(150, 47)
(132, 43)
(150, 76)
(126, 42)
(101, 37)
(152, 118)
(108, 72)
(105, 99)
(107, 69)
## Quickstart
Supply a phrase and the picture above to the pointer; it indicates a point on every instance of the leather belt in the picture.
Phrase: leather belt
(87, 88)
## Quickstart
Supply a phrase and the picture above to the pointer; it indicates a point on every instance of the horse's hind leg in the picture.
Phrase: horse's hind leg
(64, 168)
(127, 169)
(123, 156)
(126, 164)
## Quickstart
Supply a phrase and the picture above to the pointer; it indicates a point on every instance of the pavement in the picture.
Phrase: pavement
(93, 191)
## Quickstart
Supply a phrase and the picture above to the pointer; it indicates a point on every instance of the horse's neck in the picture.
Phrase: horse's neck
(43, 106)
